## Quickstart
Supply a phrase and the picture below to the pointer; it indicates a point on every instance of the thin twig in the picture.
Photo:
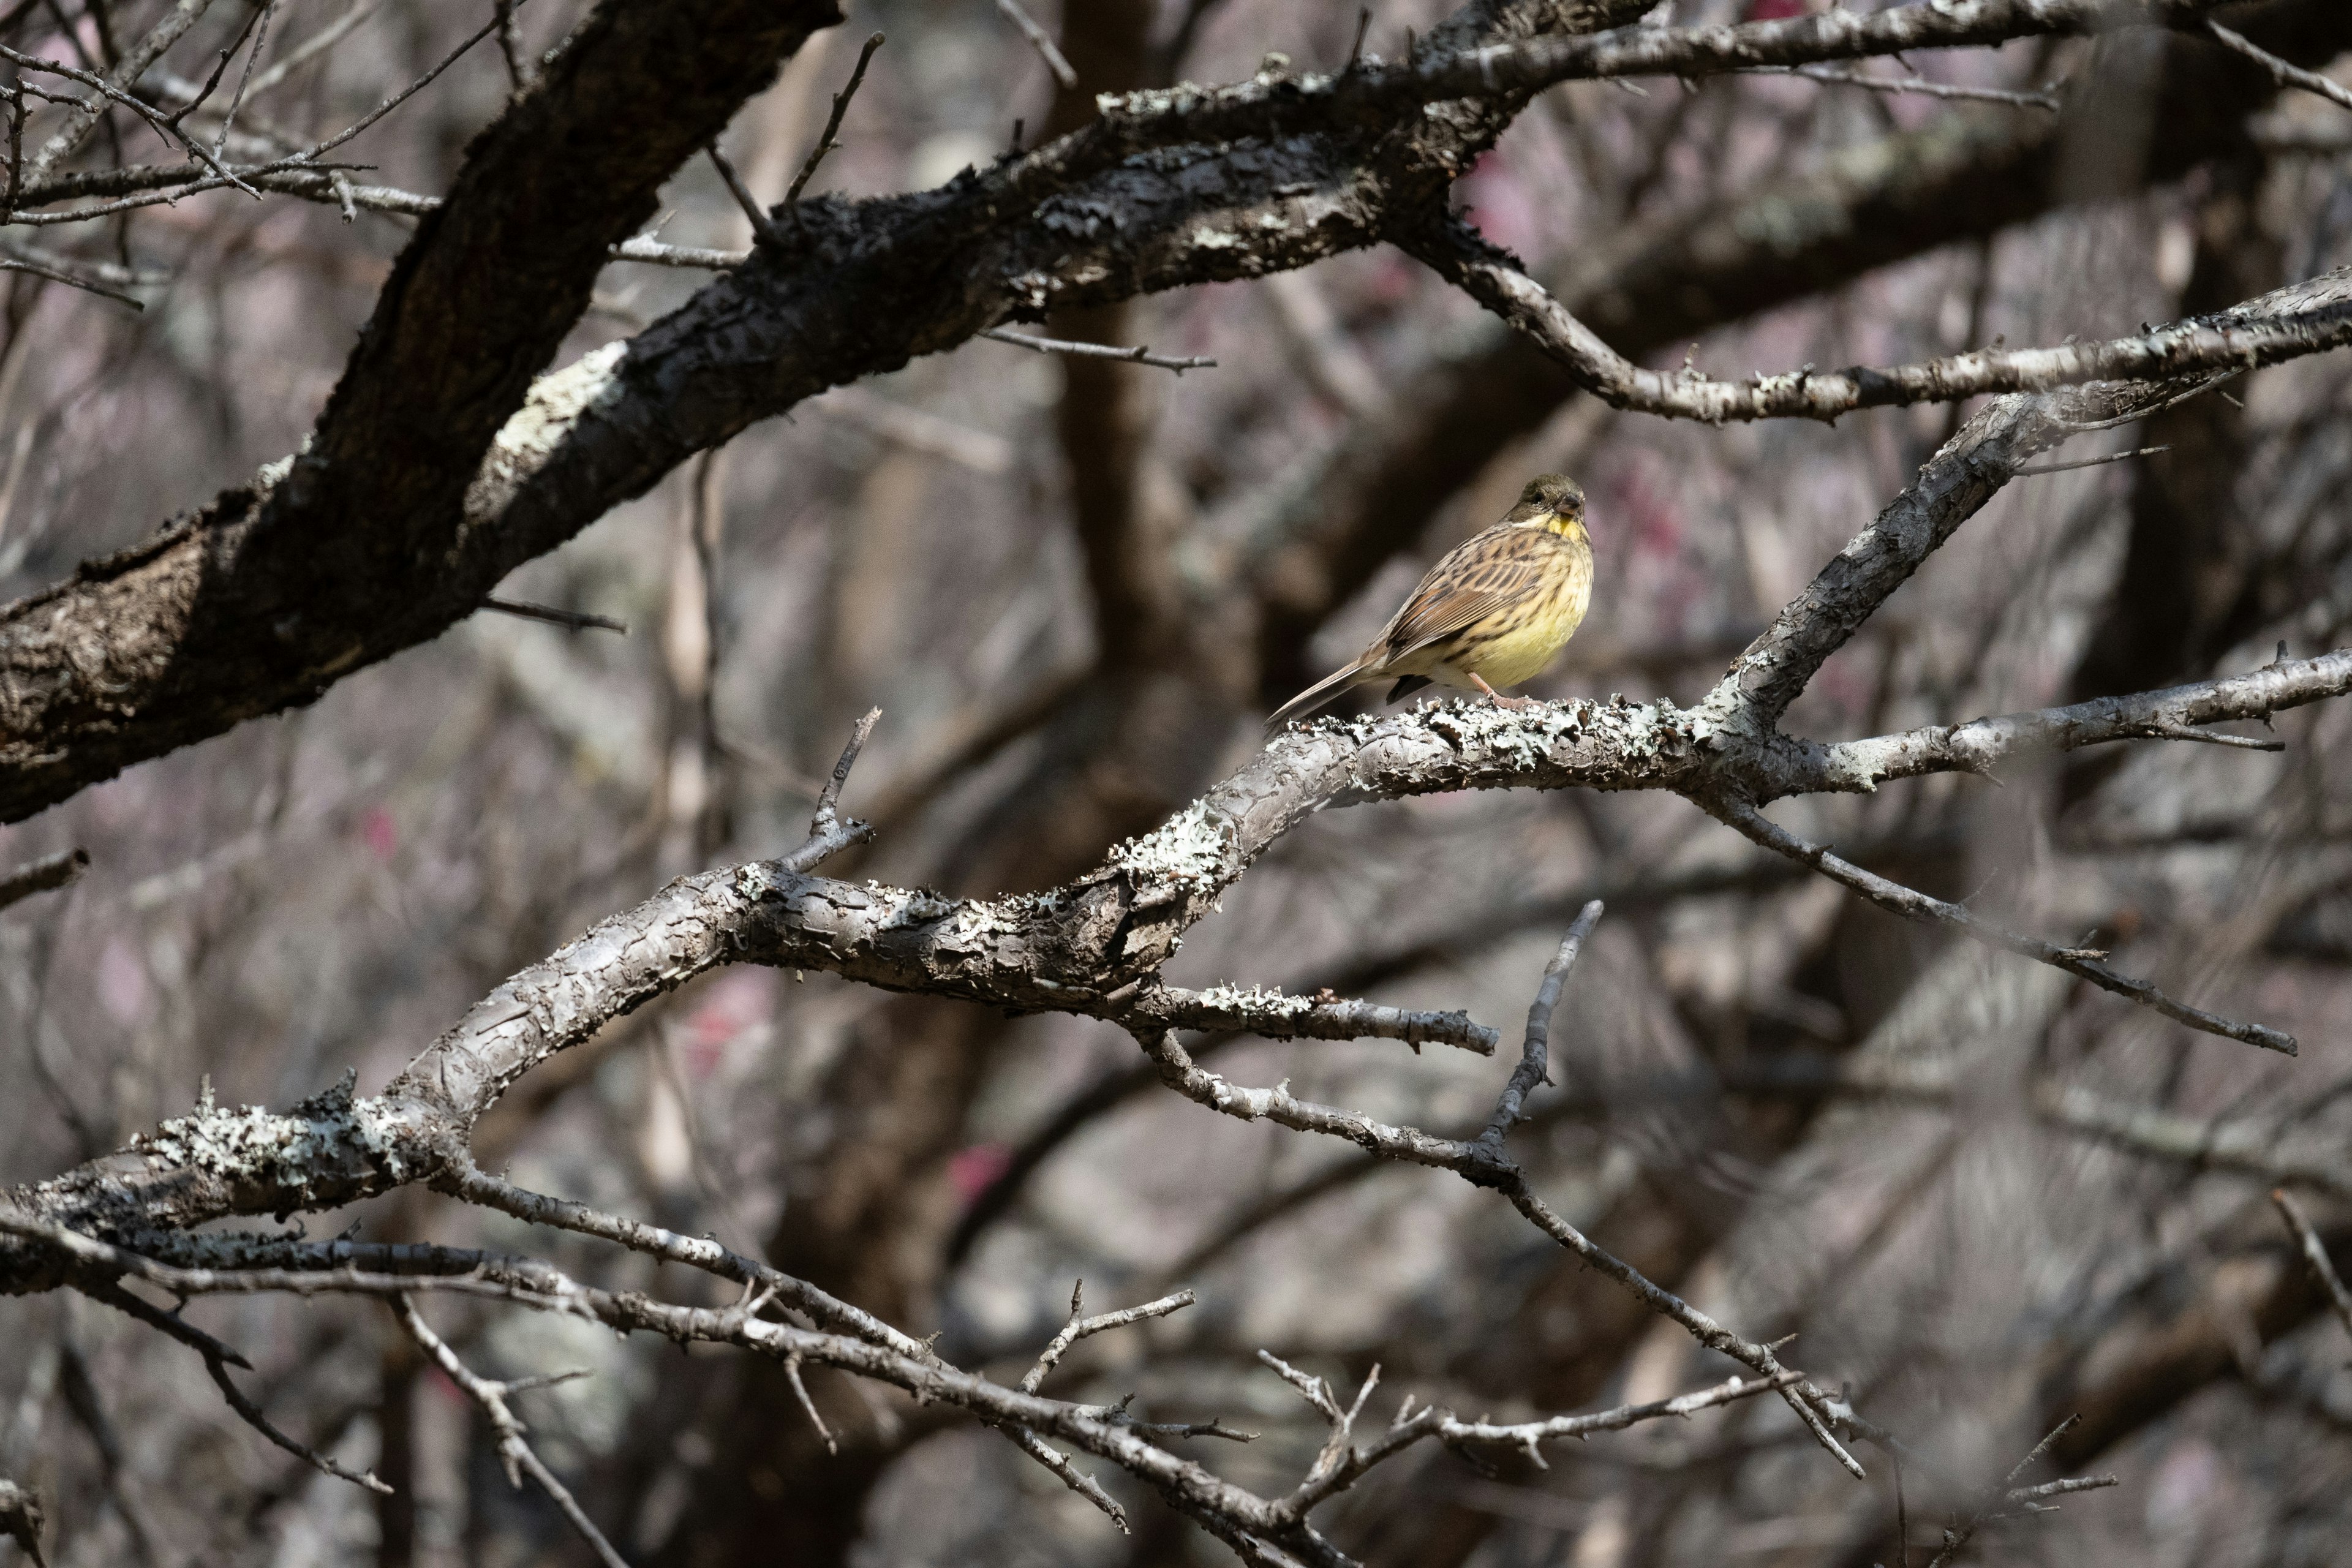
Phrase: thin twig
(57, 871)
(763, 227)
(2314, 1252)
(220, 68)
(1534, 1057)
(514, 1454)
(396, 99)
(1138, 355)
(143, 110)
(1041, 41)
(1081, 1327)
(822, 822)
(1921, 86)
(1909, 902)
(2091, 462)
(808, 1405)
(2284, 74)
(310, 48)
(244, 79)
(56, 275)
(825, 142)
(578, 620)
(253, 1417)
(1999, 1493)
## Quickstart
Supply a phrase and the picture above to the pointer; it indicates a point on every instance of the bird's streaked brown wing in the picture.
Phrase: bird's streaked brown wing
(1477, 578)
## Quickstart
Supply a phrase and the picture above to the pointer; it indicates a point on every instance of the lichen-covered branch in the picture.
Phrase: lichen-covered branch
(2309, 317)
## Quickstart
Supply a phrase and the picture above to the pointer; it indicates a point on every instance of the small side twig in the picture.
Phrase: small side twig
(1041, 41)
(252, 1415)
(2314, 1252)
(827, 141)
(514, 1454)
(1832, 77)
(218, 1357)
(2005, 1492)
(220, 68)
(244, 80)
(1535, 1055)
(823, 821)
(578, 620)
(2029, 472)
(763, 228)
(1081, 1327)
(808, 1405)
(39, 876)
(1140, 354)
(58, 275)
(520, 72)
(2284, 74)
(1916, 905)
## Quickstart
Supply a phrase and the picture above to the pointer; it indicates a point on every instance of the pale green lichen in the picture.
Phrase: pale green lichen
(323, 1139)
(1256, 1002)
(1191, 847)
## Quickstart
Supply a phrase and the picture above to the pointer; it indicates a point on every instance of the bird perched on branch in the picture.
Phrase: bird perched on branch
(1495, 612)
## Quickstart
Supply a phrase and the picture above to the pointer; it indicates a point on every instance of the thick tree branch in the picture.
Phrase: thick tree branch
(272, 593)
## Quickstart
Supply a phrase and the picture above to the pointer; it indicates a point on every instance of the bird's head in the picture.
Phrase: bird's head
(1554, 500)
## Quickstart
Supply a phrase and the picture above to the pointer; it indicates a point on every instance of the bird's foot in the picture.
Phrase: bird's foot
(1515, 704)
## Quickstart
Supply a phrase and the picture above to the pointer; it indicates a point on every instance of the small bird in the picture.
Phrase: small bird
(1495, 612)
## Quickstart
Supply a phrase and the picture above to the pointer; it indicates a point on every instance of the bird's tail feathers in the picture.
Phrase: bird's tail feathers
(1317, 694)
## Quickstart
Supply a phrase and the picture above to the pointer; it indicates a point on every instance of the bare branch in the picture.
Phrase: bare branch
(577, 620)
(1921, 87)
(1369, 91)
(1322, 1016)
(1040, 40)
(515, 1455)
(2315, 1254)
(2284, 74)
(825, 141)
(1081, 1327)
(59, 871)
(2175, 714)
(253, 1417)
(2091, 462)
(763, 227)
(1141, 354)
(127, 69)
(1916, 905)
(2306, 319)
(1534, 1057)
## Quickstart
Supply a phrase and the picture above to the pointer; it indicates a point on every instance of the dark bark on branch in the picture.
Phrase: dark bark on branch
(264, 598)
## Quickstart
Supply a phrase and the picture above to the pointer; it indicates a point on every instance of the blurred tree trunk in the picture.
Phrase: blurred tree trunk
(2181, 596)
(396, 1464)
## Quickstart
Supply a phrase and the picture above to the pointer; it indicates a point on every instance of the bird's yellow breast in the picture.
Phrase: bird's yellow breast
(1517, 642)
